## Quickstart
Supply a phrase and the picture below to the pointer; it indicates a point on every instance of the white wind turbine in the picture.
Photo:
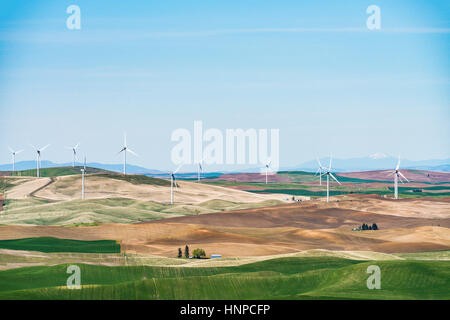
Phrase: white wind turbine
(320, 170)
(125, 149)
(13, 153)
(329, 174)
(267, 166)
(83, 173)
(74, 153)
(173, 181)
(397, 176)
(200, 169)
(38, 158)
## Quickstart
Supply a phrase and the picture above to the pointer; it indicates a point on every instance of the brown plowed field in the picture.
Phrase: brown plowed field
(409, 225)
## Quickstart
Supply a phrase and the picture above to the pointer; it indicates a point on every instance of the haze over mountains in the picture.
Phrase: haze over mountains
(377, 161)
(25, 165)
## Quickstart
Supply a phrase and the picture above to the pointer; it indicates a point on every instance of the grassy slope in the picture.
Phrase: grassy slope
(112, 210)
(57, 171)
(136, 179)
(283, 278)
(48, 244)
(5, 185)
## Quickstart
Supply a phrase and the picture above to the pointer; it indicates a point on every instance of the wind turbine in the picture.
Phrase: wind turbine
(267, 165)
(200, 169)
(38, 158)
(397, 176)
(83, 173)
(13, 153)
(329, 174)
(173, 181)
(74, 156)
(319, 171)
(125, 149)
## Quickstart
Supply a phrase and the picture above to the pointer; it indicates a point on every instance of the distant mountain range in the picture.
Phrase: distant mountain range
(25, 165)
(376, 161)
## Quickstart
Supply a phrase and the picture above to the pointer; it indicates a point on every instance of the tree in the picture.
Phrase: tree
(180, 253)
(374, 226)
(197, 253)
(186, 251)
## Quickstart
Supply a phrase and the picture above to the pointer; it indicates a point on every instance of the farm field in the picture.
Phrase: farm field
(48, 244)
(114, 198)
(282, 278)
(306, 184)
(126, 235)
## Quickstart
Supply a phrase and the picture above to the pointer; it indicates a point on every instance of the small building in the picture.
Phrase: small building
(216, 256)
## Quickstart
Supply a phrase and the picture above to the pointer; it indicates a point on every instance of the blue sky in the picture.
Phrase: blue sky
(311, 69)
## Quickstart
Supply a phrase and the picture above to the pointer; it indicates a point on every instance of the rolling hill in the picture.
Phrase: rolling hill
(283, 278)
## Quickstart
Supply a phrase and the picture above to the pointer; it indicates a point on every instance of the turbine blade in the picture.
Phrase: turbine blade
(43, 148)
(76, 146)
(398, 163)
(402, 176)
(132, 152)
(17, 152)
(179, 167)
(120, 151)
(331, 161)
(334, 178)
(389, 172)
(11, 150)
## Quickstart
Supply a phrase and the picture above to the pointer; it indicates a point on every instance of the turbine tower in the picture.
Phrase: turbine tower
(200, 169)
(38, 158)
(13, 153)
(329, 174)
(83, 173)
(125, 149)
(173, 181)
(397, 176)
(267, 165)
(74, 153)
(320, 170)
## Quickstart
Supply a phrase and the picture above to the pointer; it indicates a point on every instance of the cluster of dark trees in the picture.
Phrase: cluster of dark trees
(367, 227)
(198, 253)
(186, 252)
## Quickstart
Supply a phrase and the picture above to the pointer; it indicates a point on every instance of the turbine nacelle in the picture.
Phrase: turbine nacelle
(14, 152)
(125, 149)
(38, 160)
(74, 152)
